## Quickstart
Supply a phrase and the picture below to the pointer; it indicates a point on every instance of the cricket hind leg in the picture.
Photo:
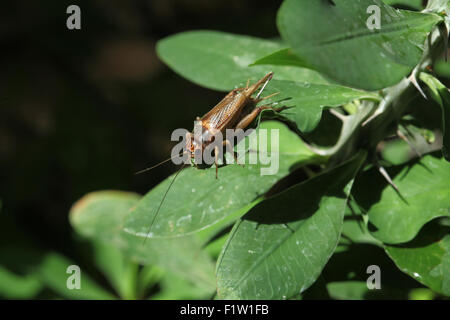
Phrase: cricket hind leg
(248, 119)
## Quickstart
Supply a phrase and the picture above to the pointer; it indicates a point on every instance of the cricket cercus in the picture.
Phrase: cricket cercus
(236, 111)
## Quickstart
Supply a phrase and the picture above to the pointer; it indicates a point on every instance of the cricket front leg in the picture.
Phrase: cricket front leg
(216, 159)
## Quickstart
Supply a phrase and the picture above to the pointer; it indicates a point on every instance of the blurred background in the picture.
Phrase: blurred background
(82, 110)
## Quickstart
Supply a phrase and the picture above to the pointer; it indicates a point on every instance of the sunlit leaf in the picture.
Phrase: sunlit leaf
(279, 248)
(220, 61)
(333, 37)
(424, 195)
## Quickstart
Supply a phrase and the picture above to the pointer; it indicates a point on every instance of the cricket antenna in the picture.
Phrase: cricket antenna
(270, 75)
(162, 201)
(157, 165)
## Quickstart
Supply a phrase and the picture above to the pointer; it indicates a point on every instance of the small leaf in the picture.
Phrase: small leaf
(441, 95)
(283, 57)
(307, 101)
(198, 200)
(220, 61)
(279, 248)
(424, 195)
(333, 37)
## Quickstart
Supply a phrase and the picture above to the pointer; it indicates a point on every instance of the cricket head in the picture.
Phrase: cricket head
(199, 140)
(191, 145)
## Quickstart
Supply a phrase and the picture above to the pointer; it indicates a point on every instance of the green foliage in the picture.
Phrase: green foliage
(100, 217)
(191, 207)
(441, 95)
(307, 101)
(289, 248)
(228, 55)
(354, 186)
(426, 258)
(396, 217)
(378, 58)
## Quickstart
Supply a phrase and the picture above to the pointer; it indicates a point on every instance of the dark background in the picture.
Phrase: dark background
(82, 110)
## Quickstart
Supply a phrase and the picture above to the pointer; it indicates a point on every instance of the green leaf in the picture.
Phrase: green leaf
(424, 195)
(53, 272)
(426, 258)
(355, 231)
(416, 4)
(198, 200)
(99, 216)
(332, 37)
(442, 69)
(441, 95)
(421, 294)
(438, 5)
(347, 271)
(118, 269)
(16, 286)
(220, 61)
(279, 248)
(174, 287)
(441, 7)
(149, 276)
(307, 101)
(396, 152)
(283, 57)
(38, 269)
(348, 290)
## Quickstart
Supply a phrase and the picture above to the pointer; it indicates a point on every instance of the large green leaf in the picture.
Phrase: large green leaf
(424, 195)
(306, 101)
(441, 95)
(283, 57)
(332, 36)
(426, 258)
(99, 216)
(198, 200)
(221, 61)
(279, 248)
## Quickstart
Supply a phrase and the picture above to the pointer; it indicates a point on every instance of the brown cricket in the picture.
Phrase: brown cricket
(237, 110)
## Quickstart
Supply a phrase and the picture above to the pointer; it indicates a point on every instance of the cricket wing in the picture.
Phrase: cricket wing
(224, 112)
